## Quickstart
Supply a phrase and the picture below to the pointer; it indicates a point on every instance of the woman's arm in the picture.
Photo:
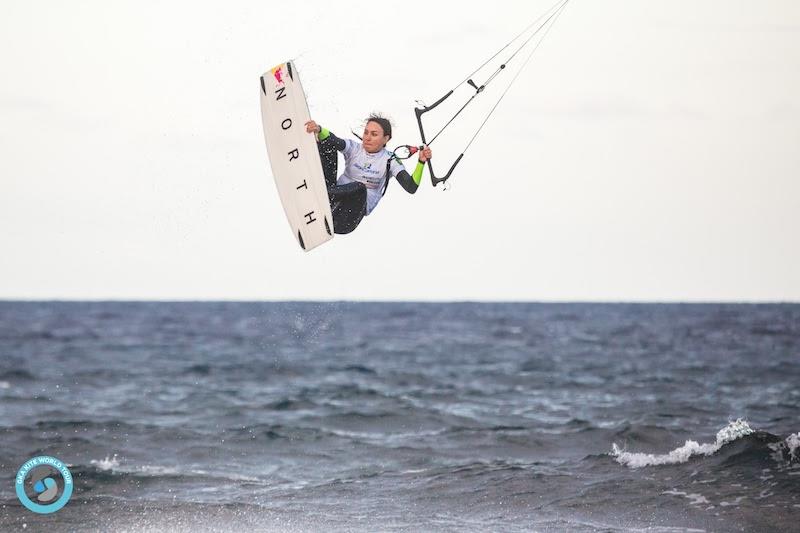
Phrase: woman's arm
(410, 182)
(322, 134)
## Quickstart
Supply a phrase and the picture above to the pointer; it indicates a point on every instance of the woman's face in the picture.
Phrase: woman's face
(374, 140)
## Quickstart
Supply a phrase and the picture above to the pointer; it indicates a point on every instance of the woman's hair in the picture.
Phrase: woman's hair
(381, 121)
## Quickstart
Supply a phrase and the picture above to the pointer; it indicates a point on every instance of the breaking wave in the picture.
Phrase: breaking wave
(733, 431)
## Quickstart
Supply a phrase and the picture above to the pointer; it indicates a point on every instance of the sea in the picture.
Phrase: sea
(348, 416)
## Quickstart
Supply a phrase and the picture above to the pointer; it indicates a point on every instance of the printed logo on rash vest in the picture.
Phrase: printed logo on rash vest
(369, 177)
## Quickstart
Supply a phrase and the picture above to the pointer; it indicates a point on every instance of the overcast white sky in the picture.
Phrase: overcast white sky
(650, 151)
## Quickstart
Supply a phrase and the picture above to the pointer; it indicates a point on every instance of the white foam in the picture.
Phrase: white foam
(160, 470)
(734, 503)
(731, 432)
(793, 442)
(694, 497)
(107, 463)
(112, 464)
(788, 450)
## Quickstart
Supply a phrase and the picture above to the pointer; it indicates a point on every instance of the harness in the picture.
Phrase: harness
(400, 153)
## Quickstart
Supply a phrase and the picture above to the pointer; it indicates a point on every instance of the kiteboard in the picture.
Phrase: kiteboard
(294, 156)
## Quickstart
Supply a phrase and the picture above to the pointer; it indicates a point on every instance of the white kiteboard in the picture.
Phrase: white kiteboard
(294, 157)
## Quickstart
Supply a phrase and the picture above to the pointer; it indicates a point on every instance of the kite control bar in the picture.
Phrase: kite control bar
(419, 112)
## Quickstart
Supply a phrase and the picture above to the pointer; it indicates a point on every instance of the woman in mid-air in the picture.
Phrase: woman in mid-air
(368, 168)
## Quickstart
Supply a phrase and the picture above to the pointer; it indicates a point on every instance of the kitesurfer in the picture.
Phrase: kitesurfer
(368, 168)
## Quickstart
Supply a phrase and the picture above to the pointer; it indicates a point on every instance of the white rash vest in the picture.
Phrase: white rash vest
(369, 169)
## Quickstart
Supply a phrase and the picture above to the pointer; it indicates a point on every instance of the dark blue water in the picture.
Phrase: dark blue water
(405, 416)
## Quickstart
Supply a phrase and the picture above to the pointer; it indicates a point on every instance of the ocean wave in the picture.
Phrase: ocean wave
(17, 375)
(486, 429)
(112, 466)
(75, 425)
(733, 431)
(737, 444)
(290, 404)
(198, 369)
(276, 432)
(359, 369)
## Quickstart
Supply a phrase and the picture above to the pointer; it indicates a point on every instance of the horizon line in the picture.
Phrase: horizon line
(397, 301)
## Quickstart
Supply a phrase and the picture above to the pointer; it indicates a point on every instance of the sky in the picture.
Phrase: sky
(648, 152)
